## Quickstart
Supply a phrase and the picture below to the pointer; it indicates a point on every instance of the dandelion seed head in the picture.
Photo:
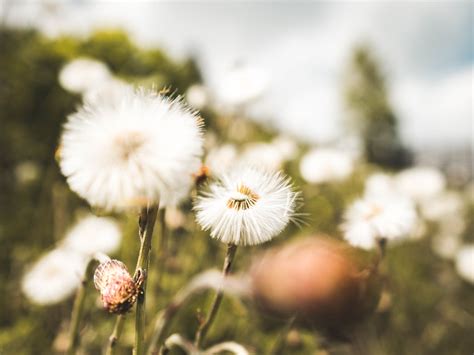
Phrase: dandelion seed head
(54, 277)
(465, 262)
(247, 206)
(142, 149)
(369, 218)
(94, 235)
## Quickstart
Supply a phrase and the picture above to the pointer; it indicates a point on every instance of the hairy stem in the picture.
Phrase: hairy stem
(78, 308)
(146, 224)
(204, 327)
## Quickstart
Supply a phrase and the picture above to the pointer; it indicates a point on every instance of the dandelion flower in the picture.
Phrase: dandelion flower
(141, 150)
(266, 155)
(83, 74)
(465, 262)
(197, 96)
(367, 219)
(420, 183)
(241, 85)
(94, 235)
(54, 277)
(247, 206)
(221, 158)
(379, 184)
(326, 165)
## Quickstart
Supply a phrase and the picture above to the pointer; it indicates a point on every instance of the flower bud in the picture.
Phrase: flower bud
(320, 280)
(119, 291)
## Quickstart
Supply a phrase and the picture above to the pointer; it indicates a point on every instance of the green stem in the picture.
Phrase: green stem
(204, 327)
(163, 253)
(146, 224)
(78, 308)
(111, 345)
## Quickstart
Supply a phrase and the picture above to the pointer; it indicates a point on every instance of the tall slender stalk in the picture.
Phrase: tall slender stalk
(204, 327)
(146, 224)
(78, 308)
(111, 345)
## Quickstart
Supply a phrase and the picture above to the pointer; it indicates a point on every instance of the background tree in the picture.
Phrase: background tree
(370, 113)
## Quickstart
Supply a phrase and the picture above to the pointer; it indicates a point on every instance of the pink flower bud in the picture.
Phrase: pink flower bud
(119, 291)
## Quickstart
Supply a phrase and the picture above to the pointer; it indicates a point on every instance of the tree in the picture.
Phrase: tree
(370, 112)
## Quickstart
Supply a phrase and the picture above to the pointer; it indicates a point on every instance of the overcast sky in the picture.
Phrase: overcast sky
(425, 47)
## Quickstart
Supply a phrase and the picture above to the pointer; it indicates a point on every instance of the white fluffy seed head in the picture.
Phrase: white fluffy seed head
(247, 206)
(465, 262)
(83, 74)
(54, 277)
(367, 219)
(94, 235)
(142, 149)
(326, 165)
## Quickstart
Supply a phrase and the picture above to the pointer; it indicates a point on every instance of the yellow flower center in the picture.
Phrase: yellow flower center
(243, 198)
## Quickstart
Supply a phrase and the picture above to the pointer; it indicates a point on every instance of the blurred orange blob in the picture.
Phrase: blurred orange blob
(320, 280)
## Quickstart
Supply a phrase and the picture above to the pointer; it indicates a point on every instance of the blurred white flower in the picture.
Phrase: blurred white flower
(108, 92)
(247, 206)
(379, 184)
(241, 85)
(367, 219)
(264, 155)
(94, 235)
(83, 74)
(287, 147)
(143, 149)
(465, 262)
(420, 183)
(324, 165)
(445, 245)
(221, 158)
(174, 218)
(197, 96)
(441, 205)
(54, 277)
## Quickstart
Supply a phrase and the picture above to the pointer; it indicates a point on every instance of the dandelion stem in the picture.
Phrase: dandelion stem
(204, 327)
(78, 308)
(111, 345)
(146, 224)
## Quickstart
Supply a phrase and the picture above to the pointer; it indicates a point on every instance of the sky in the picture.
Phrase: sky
(302, 49)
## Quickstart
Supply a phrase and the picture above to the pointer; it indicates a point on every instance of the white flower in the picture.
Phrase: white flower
(420, 183)
(83, 74)
(265, 155)
(445, 245)
(197, 96)
(441, 205)
(142, 150)
(54, 277)
(367, 219)
(241, 85)
(465, 262)
(247, 206)
(108, 92)
(379, 184)
(286, 146)
(94, 235)
(221, 159)
(325, 165)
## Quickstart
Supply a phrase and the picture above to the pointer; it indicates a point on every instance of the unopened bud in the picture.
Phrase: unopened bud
(119, 291)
